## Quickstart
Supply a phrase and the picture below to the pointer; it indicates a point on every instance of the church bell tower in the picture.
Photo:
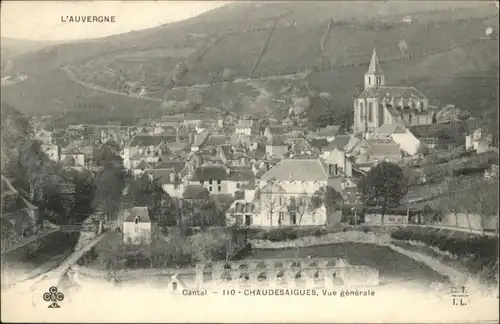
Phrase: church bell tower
(374, 77)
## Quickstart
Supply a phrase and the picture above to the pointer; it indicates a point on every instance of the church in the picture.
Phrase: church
(381, 104)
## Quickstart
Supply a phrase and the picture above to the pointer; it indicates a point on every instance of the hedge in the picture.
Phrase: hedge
(289, 233)
(478, 253)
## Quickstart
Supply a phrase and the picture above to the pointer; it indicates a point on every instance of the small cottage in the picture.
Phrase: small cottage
(137, 226)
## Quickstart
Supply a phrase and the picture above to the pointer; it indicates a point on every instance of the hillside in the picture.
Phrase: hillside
(332, 41)
(12, 48)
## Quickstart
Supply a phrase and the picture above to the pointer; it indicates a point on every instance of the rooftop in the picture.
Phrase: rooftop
(142, 214)
(389, 129)
(331, 130)
(151, 140)
(388, 92)
(340, 142)
(210, 172)
(195, 192)
(374, 67)
(241, 174)
(299, 170)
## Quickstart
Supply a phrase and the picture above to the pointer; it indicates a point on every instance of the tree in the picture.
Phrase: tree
(482, 199)
(383, 187)
(145, 192)
(270, 197)
(109, 185)
(106, 153)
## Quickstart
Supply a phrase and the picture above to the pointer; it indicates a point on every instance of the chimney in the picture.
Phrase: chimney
(172, 177)
(191, 138)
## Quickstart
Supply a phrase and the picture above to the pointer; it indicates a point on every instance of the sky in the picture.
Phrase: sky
(41, 20)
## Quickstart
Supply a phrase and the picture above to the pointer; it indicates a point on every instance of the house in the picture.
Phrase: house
(380, 104)
(44, 136)
(145, 147)
(339, 143)
(272, 130)
(52, 151)
(287, 194)
(72, 156)
(492, 172)
(371, 151)
(329, 133)
(478, 141)
(246, 127)
(169, 180)
(199, 140)
(293, 136)
(401, 135)
(137, 226)
(276, 147)
(220, 179)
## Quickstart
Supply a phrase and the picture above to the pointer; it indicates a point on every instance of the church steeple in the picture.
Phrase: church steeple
(374, 77)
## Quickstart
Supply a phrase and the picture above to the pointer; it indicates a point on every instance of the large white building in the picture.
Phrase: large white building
(290, 193)
(381, 104)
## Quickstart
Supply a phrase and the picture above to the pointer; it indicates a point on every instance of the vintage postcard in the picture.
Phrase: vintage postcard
(249, 161)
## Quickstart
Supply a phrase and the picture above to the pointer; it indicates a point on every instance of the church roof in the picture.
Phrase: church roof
(374, 67)
(388, 92)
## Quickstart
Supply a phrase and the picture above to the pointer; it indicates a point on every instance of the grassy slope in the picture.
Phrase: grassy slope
(47, 90)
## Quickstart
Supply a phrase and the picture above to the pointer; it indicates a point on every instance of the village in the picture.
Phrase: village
(269, 173)
(159, 185)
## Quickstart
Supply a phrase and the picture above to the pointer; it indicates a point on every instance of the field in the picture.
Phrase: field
(391, 265)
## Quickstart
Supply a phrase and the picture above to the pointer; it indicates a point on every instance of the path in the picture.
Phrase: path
(91, 86)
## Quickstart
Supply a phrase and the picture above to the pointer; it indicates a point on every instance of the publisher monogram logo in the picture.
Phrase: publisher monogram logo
(53, 296)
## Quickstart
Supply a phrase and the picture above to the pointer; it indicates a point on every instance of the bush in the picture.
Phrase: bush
(475, 252)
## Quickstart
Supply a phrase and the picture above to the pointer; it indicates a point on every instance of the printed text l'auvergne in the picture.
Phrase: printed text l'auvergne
(88, 19)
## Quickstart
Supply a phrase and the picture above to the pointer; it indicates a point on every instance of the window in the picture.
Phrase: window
(219, 188)
(219, 182)
(361, 112)
(136, 220)
(379, 80)
(201, 182)
(422, 105)
(370, 112)
(268, 215)
(369, 80)
(282, 215)
(210, 181)
(210, 188)
(336, 169)
(237, 185)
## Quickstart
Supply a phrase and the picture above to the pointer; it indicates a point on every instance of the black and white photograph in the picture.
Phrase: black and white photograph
(250, 161)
